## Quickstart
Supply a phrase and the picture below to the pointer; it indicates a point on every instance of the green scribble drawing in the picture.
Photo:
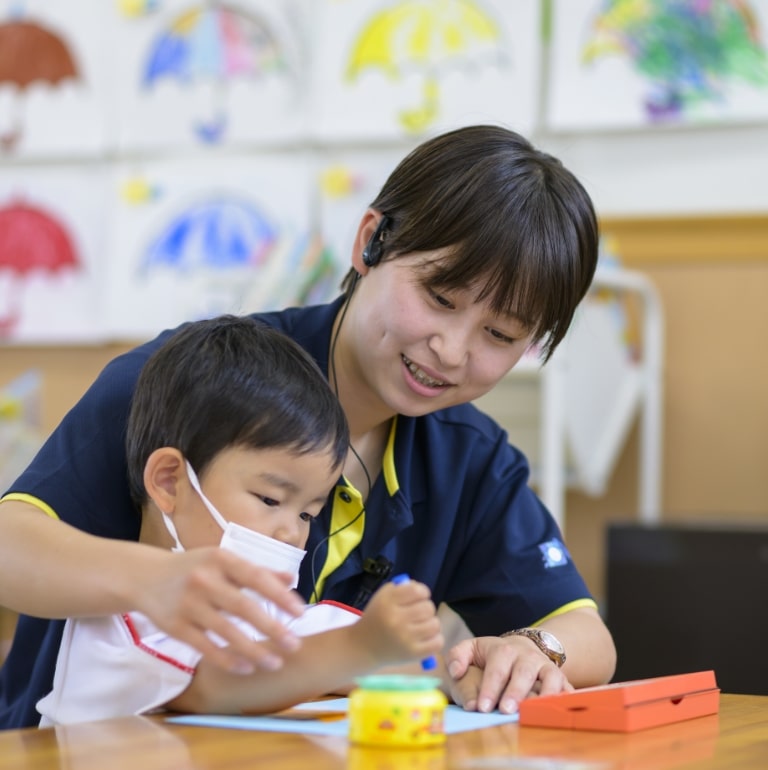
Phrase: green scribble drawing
(689, 51)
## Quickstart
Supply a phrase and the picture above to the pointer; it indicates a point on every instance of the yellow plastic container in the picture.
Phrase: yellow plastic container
(397, 710)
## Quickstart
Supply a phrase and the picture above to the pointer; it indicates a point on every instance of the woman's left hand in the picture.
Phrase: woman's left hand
(491, 672)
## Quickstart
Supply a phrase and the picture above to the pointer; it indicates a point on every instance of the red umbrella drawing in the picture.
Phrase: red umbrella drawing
(31, 53)
(31, 240)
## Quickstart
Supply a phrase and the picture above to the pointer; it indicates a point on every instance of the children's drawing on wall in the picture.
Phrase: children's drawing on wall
(427, 37)
(32, 240)
(20, 424)
(401, 68)
(51, 72)
(136, 8)
(196, 238)
(49, 239)
(317, 268)
(30, 53)
(209, 73)
(347, 183)
(658, 62)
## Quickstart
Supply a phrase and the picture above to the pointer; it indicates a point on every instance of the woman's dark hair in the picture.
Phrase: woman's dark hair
(516, 224)
(231, 381)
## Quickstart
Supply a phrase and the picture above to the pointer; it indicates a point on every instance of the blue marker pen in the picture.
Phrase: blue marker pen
(430, 663)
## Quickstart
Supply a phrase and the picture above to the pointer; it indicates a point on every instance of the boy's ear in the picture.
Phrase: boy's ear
(365, 231)
(164, 471)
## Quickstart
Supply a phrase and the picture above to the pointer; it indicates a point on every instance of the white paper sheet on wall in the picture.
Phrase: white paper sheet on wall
(53, 79)
(198, 237)
(52, 253)
(393, 69)
(628, 65)
(197, 74)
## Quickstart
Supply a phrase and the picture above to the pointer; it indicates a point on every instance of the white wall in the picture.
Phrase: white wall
(685, 171)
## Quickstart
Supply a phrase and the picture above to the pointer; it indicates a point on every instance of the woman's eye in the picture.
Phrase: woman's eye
(501, 337)
(268, 501)
(440, 299)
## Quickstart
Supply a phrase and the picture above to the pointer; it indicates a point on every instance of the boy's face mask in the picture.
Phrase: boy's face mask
(247, 543)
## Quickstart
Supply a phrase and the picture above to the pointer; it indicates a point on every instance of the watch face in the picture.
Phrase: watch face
(551, 642)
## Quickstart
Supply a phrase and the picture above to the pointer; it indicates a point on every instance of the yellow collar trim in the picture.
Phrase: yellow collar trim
(388, 463)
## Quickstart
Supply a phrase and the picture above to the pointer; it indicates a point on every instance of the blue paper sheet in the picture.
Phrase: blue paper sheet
(456, 720)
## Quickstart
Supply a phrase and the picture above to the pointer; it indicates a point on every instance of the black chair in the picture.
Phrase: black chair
(690, 597)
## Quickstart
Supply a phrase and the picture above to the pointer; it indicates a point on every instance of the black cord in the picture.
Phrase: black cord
(335, 339)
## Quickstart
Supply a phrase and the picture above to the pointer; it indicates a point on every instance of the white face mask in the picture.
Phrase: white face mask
(246, 543)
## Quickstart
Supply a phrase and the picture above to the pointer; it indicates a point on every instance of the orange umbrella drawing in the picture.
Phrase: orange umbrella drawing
(31, 240)
(31, 53)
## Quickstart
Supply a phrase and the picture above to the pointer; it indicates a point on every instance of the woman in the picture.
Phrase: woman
(477, 248)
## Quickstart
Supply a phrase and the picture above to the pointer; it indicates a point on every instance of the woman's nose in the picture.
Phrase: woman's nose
(450, 345)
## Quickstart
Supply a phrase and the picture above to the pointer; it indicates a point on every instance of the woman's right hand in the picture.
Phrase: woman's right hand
(75, 574)
(194, 592)
(400, 624)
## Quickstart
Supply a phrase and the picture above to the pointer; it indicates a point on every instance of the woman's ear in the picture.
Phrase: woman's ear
(365, 231)
(164, 471)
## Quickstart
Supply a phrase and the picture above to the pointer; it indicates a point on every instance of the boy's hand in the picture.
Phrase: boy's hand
(194, 592)
(400, 624)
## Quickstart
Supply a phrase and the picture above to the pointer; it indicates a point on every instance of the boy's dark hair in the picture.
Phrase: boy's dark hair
(231, 381)
(518, 225)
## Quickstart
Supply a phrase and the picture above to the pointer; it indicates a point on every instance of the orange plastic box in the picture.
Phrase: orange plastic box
(626, 706)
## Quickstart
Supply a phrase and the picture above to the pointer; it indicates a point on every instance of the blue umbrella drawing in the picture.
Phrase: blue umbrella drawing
(215, 235)
(217, 42)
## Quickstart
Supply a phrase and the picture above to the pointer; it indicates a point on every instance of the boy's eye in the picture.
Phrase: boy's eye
(306, 516)
(268, 501)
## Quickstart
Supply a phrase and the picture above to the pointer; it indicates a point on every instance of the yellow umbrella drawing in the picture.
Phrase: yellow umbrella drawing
(428, 35)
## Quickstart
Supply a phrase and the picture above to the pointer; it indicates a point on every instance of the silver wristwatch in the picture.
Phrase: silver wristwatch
(548, 643)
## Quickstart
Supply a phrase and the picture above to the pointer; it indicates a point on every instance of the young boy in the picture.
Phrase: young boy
(245, 409)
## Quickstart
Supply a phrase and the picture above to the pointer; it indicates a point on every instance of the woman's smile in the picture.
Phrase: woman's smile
(422, 377)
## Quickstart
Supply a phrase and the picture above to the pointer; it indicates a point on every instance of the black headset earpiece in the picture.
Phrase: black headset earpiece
(374, 249)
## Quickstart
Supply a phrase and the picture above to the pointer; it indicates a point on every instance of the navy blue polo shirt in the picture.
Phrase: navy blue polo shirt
(452, 508)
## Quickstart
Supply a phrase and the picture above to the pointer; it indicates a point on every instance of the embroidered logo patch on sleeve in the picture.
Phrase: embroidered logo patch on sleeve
(554, 553)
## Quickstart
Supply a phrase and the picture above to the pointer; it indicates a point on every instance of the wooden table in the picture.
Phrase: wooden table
(735, 738)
